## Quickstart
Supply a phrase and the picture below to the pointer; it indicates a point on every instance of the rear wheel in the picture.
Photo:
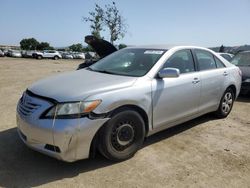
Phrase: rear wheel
(39, 57)
(122, 135)
(226, 104)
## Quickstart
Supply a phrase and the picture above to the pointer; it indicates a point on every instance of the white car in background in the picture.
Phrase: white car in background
(15, 53)
(78, 55)
(1, 53)
(66, 55)
(50, 54)
(227, 56)
(28, 53)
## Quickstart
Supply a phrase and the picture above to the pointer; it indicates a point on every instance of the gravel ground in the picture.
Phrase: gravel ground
(204, 152)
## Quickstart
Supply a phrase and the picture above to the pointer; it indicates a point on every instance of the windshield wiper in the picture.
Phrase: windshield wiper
(104, 71)
(88, 68)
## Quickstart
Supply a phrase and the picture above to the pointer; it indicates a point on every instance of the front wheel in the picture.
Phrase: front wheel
(39, 57)
(56, 58)
(122, 135)
(226, 104)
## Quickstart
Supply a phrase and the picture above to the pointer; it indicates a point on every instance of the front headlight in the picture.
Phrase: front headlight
(71, 110)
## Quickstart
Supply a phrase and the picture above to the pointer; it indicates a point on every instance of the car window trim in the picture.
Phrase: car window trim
(189, 49)
(219, 61)
(198, 62)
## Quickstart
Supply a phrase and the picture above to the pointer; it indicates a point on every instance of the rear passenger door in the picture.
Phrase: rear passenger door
(212, 76)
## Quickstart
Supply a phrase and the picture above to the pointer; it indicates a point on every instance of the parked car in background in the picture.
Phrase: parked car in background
(14, 53)
(67, 55)
(242, 60)
(29, 53)
(101, 47)
(227, 56)
(78, 55)
(8, 52)
(50, 54)
(130, 94)
(1, 53)
(5, 51)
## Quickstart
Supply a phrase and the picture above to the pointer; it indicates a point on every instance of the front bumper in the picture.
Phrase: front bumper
(65, 139)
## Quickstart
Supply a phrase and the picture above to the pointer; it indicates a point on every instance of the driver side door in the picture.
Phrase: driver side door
(175, 99)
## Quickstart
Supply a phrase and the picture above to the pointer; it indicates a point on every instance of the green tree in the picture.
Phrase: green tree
(44, 46)
(96, 21)
(115, 22)
(121, 46)
(76, 47)
(29, 44)
(88, 49)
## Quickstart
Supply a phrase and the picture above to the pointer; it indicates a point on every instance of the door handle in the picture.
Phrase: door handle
(225, 73)
(196, 80)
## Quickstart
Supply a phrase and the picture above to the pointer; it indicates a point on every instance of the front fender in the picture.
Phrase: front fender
(138, 94)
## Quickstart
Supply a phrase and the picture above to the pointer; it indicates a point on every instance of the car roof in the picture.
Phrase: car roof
(168, 47)
(244, 52)
(224, 53)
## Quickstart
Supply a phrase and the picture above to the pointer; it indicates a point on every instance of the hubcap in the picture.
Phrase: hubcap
(227, 102)
(123, 135)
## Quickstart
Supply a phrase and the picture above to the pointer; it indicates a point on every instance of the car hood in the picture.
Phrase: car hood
(102, 47)
(78, 85)
(245, 72)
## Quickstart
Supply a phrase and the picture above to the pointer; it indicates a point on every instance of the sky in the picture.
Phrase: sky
(187, 22)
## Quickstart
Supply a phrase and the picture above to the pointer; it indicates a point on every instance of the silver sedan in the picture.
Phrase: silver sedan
(115, 103)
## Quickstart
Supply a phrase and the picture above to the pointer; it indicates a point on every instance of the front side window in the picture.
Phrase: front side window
(128, 62)
(182, 60)
(205, 60)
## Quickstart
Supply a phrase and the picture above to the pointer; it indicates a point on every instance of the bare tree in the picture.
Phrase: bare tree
(115, 22)
(96, 20)
(109, 17)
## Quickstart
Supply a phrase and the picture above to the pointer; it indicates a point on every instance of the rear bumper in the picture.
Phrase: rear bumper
(65, 139)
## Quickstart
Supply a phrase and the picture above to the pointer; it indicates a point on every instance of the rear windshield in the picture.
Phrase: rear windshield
(241, 59)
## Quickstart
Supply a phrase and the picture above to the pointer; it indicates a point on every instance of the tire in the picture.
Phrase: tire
(122, 136)
(56, 58)
(226, 104)
(39, 57)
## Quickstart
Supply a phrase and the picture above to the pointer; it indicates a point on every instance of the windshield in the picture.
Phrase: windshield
(241, 59)
(129, 62)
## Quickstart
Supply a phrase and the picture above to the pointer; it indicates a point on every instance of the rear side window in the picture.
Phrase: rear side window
(219, 63)
(182, 60)
(205, 60)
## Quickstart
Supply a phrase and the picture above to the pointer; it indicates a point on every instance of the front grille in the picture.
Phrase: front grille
(26, 106)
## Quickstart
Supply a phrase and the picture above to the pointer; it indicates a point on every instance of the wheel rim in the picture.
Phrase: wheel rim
(123, 135)
(227, 102)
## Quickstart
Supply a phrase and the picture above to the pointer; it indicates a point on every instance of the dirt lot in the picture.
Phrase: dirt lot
(205, 152)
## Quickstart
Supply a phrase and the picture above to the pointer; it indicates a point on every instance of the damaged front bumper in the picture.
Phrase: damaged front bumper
(65, 139)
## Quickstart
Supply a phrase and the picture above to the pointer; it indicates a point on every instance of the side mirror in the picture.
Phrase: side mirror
(169, 73)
